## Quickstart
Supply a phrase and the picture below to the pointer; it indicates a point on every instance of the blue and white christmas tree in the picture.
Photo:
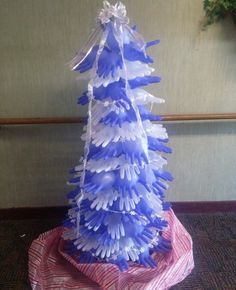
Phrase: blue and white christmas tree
(117, 209)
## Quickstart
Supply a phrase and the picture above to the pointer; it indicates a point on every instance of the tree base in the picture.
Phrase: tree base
(51, 268)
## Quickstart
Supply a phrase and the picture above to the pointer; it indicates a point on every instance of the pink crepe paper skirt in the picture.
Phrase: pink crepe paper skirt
(51, 268)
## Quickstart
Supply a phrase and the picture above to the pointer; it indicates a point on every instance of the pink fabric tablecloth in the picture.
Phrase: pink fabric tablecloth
(51, 268)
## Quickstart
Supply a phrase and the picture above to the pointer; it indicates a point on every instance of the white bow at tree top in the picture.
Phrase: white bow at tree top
(109, 12)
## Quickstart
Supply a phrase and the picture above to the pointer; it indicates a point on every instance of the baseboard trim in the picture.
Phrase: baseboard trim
(204, 206)
(60, 211)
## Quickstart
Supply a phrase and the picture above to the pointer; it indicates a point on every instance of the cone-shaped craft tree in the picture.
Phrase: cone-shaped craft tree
(117, 204)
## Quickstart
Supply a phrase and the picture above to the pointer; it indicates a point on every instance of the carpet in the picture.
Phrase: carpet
(214, 244)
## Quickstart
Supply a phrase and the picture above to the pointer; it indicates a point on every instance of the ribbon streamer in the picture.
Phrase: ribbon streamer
(110, 13)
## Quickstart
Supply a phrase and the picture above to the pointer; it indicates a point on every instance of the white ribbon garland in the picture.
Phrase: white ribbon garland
(116, 14)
